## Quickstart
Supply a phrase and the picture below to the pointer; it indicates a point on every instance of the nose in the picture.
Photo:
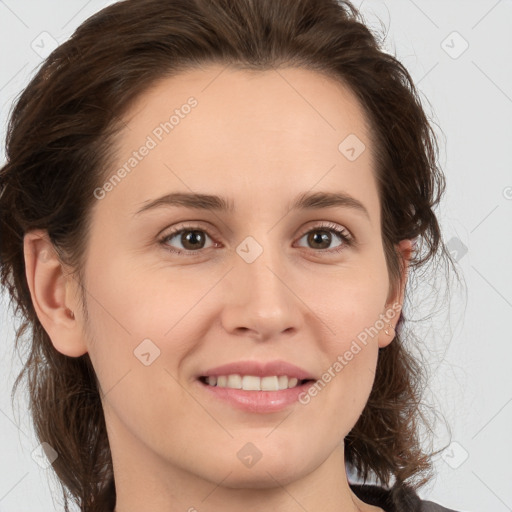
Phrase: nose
(259, 300)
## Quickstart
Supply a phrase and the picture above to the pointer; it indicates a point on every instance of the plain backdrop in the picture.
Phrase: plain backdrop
(459, 55)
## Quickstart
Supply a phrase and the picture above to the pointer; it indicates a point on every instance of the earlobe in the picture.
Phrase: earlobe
(50, 290)
(394, 307)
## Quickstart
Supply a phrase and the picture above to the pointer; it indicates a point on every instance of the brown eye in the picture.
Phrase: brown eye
(321, 238)
(188, 239)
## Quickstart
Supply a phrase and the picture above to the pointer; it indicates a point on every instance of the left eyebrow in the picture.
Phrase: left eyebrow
(305, 201)
(318, 200)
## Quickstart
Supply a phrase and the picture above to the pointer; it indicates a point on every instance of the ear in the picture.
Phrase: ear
(53, 294)
(395, 303)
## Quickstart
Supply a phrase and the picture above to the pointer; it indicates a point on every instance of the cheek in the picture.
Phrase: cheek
(350, 303)
(351, 310)
(137, 342)
(347, 380)
(134, 302)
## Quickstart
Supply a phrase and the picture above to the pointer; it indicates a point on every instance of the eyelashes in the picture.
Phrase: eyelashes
(340, 232)
(194, 237)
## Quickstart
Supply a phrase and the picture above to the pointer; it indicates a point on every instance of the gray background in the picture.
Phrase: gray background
(468, 94)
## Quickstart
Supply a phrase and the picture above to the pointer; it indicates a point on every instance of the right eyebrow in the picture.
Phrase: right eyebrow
(190, 200)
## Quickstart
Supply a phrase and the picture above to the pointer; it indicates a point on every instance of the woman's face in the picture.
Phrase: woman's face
(258, 281)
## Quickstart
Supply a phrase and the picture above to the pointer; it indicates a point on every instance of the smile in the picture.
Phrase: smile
(253, 382)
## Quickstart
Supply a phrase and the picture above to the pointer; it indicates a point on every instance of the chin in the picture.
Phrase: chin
(262, 480)
(262, 475)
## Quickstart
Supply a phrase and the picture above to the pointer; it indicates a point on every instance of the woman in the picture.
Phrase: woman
(209, 214)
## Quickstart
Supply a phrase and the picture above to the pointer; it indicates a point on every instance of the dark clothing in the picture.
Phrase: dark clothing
(402, 499)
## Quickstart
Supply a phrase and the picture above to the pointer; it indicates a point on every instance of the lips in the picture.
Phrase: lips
(259, 369)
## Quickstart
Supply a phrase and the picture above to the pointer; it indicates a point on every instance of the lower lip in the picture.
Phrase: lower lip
(258, 401)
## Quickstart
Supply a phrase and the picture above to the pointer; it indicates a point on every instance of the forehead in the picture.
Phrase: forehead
(289, 107)
(220, 128)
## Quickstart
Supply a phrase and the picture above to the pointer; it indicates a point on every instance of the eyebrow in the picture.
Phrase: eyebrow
(305, 201)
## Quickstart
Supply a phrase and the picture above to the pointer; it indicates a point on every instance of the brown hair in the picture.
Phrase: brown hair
(59, 136)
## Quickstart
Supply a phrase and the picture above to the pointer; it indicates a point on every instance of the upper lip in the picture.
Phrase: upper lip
(259, 369)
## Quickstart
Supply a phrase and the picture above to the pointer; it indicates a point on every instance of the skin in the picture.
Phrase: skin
(260, 139)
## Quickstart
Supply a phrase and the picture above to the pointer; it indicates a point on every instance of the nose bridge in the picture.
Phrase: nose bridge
(262, 300)
(261, 264)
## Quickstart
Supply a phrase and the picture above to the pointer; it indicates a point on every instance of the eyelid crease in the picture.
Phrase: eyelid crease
(331, 226)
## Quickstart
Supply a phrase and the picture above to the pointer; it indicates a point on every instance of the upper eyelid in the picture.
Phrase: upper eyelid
(190, 225)
(326, 224)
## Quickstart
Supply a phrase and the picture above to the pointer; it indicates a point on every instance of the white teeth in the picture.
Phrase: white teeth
(234, 381)
(250, 383)
(253, 383)
(270, 384)
(292, 382)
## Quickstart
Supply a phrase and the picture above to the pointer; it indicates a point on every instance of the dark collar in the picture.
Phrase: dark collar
(396, 499)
